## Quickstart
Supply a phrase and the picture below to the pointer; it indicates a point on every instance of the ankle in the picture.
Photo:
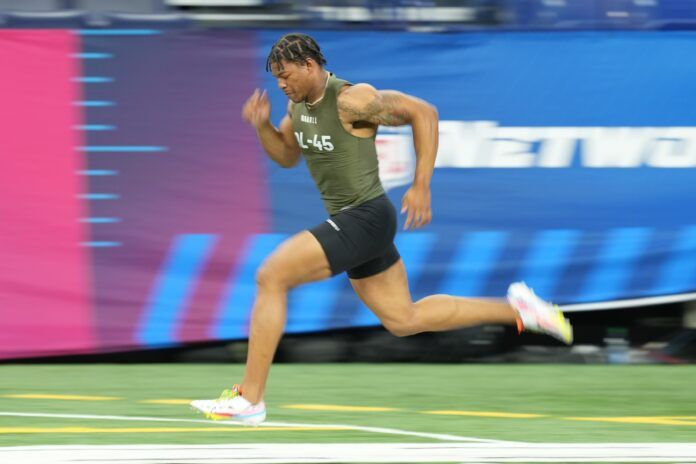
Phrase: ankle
(256, 399)
(251, 395)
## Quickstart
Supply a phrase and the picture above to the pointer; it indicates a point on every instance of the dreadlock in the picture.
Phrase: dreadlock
(295, 48)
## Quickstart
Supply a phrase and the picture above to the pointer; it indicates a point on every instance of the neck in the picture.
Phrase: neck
(317, 93)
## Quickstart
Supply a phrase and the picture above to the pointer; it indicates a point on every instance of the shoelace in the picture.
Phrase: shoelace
(230, 393)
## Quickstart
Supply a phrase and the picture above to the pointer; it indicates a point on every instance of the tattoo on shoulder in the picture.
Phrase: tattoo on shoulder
(383, 110)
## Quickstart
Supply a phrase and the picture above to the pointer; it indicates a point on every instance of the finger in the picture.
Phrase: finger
(426, 216)
(419, 219)
(404, 205)
(409, 220)
(265, 103)
(249, 107)
(255, 107)
(414, 219)
(246, 113)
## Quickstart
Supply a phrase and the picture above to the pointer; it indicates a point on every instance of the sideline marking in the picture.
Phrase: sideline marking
(264, 453)
(332, 407)
(80, 430)
(656, 420)
(382, 430)
(48, 396)
(511, 415)
(165, 401)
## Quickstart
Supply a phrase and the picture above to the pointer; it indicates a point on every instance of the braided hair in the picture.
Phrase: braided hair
(295, 48)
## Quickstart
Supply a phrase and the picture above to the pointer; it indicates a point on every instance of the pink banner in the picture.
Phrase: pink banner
(44, 283)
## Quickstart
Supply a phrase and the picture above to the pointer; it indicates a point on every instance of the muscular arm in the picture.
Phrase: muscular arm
(280, 144)
(363, 103)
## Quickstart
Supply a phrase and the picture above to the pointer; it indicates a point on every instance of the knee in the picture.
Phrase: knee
(270, 276)
(404, 326)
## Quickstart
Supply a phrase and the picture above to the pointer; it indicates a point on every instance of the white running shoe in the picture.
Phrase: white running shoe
(232, 405)
(536, 315)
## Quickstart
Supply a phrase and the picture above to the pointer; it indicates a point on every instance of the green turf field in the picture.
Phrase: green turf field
(530, 403)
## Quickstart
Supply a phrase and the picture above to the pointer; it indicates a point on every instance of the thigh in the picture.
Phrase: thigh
(377, 265)
(386, 294)
(297, 260)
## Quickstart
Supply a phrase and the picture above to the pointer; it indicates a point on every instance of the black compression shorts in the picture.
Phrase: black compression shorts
(360, 240)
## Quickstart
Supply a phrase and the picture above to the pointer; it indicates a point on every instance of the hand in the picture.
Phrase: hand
(416, 202)
(257, 109)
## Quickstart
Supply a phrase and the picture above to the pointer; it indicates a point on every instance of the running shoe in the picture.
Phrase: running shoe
(231, 405)
(536, 315)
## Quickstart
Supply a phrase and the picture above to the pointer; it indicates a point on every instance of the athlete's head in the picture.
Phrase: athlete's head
(298, 64)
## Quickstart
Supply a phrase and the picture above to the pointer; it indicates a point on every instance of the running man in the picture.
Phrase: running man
(332, 124)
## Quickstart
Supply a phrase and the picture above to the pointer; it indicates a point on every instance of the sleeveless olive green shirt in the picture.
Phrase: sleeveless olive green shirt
(344, 167)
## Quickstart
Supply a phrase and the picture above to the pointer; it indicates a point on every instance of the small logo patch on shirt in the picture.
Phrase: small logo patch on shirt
(333, 224)
(308, 119)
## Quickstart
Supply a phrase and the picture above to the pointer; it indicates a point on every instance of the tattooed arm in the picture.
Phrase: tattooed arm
(362, 103)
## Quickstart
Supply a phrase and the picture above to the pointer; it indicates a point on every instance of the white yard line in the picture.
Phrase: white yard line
(387, 431)
(261, 453)
(647, 301)
(434, 436)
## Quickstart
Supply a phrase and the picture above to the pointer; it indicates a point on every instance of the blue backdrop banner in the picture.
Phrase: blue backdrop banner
(566, 160)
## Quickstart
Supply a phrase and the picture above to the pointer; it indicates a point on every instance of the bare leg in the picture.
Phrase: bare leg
(298, 260)
(445, 312)
(388, 296)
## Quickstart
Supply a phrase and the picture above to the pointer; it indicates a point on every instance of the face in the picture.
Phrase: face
(293, 79)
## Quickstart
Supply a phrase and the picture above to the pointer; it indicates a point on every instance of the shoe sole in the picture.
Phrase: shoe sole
(250, 420)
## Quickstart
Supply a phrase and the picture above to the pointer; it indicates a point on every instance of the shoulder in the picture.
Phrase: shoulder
(357, 95)
(362, 102)
(358, 102)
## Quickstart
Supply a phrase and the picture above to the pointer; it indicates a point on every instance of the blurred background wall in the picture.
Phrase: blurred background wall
(136, 205)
